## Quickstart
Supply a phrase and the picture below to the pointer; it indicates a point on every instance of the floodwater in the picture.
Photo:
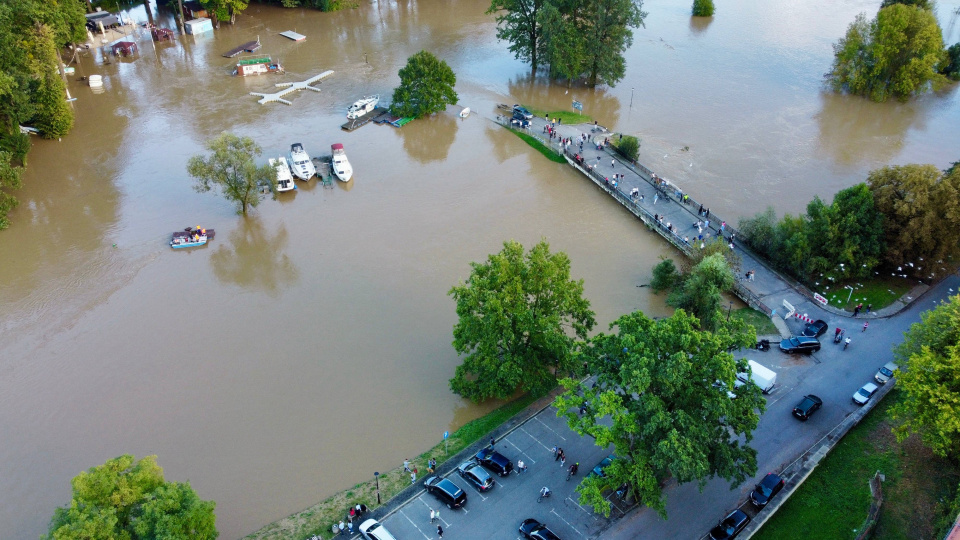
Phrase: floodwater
(308, 345)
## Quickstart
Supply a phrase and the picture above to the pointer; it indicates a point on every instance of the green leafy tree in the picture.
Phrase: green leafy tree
(426, 87)
(53, 115)
(700, 292)
(703, 8)
(951, 68)
(629, 146)
(518, 317)
(231, 168)
(920, 205)
(607, 30)
(130, 500)
(563, 43)
(929, 361)
(223, 10)
(923, 4)
(661, 400)
(897, 54)
(519, 23)
(665, 276)
(10, 178)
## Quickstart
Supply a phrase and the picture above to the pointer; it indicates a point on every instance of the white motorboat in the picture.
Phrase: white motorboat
(465, 112)
(284, 178)
(300, 162)
(341, 166)
(363, 106)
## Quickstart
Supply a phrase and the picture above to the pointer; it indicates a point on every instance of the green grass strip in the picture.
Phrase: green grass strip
(319, 518)
(565, 117)
(539, 147)
(756, 319)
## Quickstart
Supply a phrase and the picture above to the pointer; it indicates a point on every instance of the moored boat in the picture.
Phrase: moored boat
(341, 166)
(300, 162)
(362, 106)
(284, 177)
(190, 237)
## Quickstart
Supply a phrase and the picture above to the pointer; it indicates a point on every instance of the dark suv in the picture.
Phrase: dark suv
(494, 461)
(807, 406)
(800, 344)
(730, 526)
(522, 112)
(766, 489)
(815, 329)
(446, 491)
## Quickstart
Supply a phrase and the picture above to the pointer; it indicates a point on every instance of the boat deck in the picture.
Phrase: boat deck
(360, 121)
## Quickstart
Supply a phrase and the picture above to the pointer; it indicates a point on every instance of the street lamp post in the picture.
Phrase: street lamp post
(729, 309)
(376, 477)
(631, 98)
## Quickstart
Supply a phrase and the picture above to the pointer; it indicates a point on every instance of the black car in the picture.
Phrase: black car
(800, 344)
(730, 526)
(815, 329)
(472, 472)
(766, 489)
(531, 528)
(446, 491)
(495, 461)
(807, 406)
(522, 112)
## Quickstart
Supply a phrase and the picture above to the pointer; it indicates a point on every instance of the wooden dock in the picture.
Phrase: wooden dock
(249, 46)
(291, 87)
(373, 115)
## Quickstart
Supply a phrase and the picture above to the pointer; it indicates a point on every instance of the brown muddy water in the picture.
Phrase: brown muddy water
(309, 344)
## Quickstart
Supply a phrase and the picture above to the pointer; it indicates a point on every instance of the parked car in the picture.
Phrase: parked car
(885, 373)
(533, 529)
(522, 112)
(371, 529)
(446, 491)
(766, 489)
(807, 406)
(598, 470)
(800, 344)
(494, 461)
(864, 394)
(472, 472)
(519, 122)
(815, 329)
(730, 526)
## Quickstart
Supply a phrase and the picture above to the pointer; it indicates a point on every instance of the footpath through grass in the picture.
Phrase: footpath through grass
(833, 502)
(320, 518)
(539, 147)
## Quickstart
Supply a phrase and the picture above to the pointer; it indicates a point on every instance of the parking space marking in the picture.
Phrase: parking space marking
(783, 394)
(431, 508)
(582, 509)
(401, 512)
(545, 447)
(567, 522)
(524, 453)
(550, 428)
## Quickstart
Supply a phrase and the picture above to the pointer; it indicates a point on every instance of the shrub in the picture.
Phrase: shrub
(629, 146)
(703, 8)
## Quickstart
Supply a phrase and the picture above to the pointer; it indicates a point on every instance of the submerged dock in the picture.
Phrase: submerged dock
(360, 121)
(291, 87)
(250, 46)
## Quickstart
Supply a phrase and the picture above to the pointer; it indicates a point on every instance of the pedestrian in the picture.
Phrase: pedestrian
(438, 515)
(752, 274)
(413, 476)
(598, 160)
(343, 526)
(856, 311)
(706, 224)
(521, 466)
(554, 452)
(492, 441)
(641, 197)
(723, 225)
(869, 307)
(406, 465)
(433, 515)
(350, 526)
(613, 163)
(563, 458)
(560, 121)
(440, 531)
(865, 325)
(707, 214)
(656, 196)
(700, 211)
(558, 453)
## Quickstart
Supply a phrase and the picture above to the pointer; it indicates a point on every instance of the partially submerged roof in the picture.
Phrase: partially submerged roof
(293, 35)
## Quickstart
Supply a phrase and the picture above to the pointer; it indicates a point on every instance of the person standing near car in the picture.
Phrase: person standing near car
(439, 531)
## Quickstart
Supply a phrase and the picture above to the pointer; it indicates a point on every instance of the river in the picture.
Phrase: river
(309, 344)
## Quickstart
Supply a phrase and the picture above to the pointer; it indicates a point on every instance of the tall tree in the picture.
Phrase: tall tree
(518, 22)
(897, 54)
(129, 499)
(231, 168)
(518, 317)
(929, 361)
(607, 27)
(563, 42)
(700, 292)
(920, 205)
(223, 10)
(661, 399)
(426, 87)
(10, 178)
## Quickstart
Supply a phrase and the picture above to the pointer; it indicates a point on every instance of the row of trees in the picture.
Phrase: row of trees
(573, 38)
(32, 91)
(661, 393)
(899, 217)
(898, 53)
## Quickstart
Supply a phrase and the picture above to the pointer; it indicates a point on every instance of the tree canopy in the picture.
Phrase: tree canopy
(10, 178)
(920, 204)
(519, 23)
(703, 8)
(661, 399)
(896, 54)
(223, 10)
(231, 168)
(929, 360)
(426, 87)
(128, 499)
(519, 314)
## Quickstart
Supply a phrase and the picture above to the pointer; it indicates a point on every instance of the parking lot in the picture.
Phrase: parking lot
(499, 512)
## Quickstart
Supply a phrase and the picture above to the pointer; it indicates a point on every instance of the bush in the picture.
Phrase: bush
(952, 69)
(703, 8)
(665, 276)
(629, 146)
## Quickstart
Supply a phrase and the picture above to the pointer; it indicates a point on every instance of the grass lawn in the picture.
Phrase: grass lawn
(758, 320)
(881, 292)
(834, 500)
(539, 147)
(565, 117)
(319, 519)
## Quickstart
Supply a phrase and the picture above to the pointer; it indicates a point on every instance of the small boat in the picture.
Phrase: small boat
(191, 237)
(465, 112)
(284, 178)
(341, 167)
(300, 162)
(95, 81)
(362, 106)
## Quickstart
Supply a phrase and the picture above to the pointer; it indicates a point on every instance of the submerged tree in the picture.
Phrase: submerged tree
(426, 87)
(231, 168)
(10, 178)
(519, 315)
(703, 8)
(518, 22)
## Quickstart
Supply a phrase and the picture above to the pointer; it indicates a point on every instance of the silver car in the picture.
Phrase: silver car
(864, 394)
(371, 529)
(885, 373)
